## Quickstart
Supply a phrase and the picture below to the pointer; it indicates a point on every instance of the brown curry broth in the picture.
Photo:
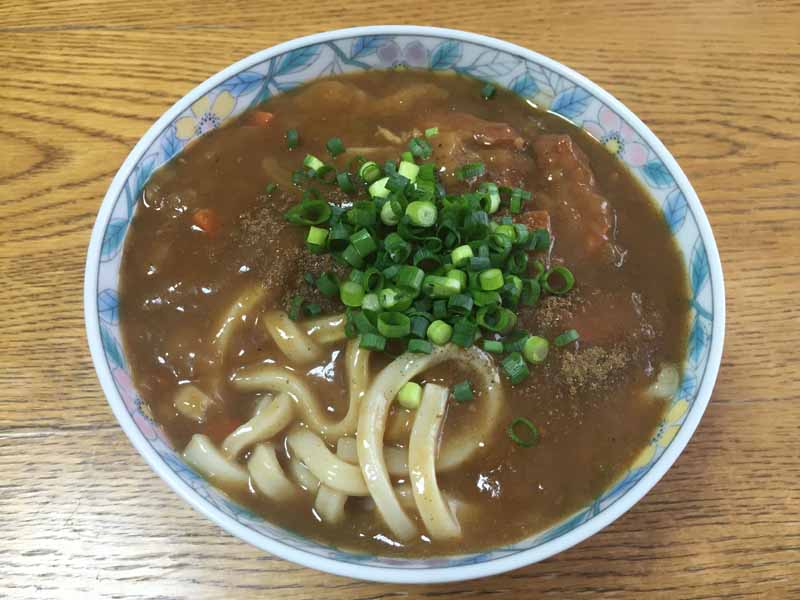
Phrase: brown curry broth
(176, 283)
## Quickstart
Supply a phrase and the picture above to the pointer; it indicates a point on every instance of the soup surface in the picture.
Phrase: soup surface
(209, 256)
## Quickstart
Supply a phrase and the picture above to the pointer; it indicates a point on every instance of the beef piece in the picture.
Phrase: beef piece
(569, 193)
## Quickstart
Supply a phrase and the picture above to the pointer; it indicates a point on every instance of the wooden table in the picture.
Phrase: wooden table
(82, 516)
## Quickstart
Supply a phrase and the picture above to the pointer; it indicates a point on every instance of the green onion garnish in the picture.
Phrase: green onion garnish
(515, 367)
(535, 349)
(373, 341)
(292, 139)
(431, 131)
(488, 90)
(351, 293)
(529, 433)
(558, 280)
(420, 346)
(313, 163)
(493, 346)
(420, 148)
(369, 171)
(335, 146)
(422, 214)
(410, 395)
(462, 392)
(567, 337)
(439, 333)
(470, 171)
(295, 307)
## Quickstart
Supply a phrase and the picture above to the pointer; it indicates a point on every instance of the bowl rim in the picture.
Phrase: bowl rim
(393, 574)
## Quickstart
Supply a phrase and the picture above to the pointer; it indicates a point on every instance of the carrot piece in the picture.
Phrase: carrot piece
(206, 220)
(260, 118)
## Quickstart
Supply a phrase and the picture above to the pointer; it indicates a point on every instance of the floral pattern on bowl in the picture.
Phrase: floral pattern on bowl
(533, 77)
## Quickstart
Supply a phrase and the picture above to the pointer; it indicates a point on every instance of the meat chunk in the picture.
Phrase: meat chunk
(581, 216)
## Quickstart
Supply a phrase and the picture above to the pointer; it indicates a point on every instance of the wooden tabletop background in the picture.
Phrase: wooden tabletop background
(82, 516)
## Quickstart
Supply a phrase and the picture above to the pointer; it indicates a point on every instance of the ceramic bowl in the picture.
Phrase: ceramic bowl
(532, 76)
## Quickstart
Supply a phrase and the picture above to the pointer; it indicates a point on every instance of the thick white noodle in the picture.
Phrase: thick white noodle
(457, 450)
(298, 347)
(329, 502)
(303, 475)
(268, 476)
(191, 402)
(326, 330)
(272, 416)
(396, 458)
(326, 466)
(238, 313)
(438, 519)
(277, 379)
(201, 454)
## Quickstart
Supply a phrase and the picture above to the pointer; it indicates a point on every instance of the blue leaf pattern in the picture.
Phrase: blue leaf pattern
(445, 55)
(367, 45)
(526, 79)
(115, 233)
(113, 351)
(243, 83)
(490, 65)
(657, 174)
(699, 273)
(571, 102)
(675, 209)
(296, 60)
(525, 85)
(108, 306)
(171, 144)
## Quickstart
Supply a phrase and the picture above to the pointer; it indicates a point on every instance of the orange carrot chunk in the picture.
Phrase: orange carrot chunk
(206, 220)
(260, 118)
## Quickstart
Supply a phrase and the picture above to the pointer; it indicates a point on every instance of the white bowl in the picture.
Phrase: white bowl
(533, 76)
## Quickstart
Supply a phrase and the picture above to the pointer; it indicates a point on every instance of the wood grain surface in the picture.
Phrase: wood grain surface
(82, 516)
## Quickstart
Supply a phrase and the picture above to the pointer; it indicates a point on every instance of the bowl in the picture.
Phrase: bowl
(532, 76)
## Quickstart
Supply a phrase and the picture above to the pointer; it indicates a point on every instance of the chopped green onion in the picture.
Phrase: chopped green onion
(317, 236)
(369, 171)
(363, 242)
(440, 287)
(409, 170)
(541, 240)
(462, 392)
(479, 263)
(482, 298)
(313, 309)
(309, 278)
(327, 284)
(518, 262)
(373, 341)
(352, 257)
(493, 346)
(460, 304)
(309, 212)
(440, 309)
(372, 280)
(292, 139)
(496, 319)
(427, 259)
(490, 197)
(335, 146)
(431, 131)
(515, 342)
(361, 322)
(397, 183)
(562, 273)
(529, 438)
(419, 326)
(461, 255)
(410, 278)
(420, 346)
(470, 171)
(567, 337)
(370, 303)
(439, 332)
(538, 269)
(313, 163)
(345, 183)
(491, 279)
(271, 188)
(458, 275)
(407, 156)
(464, 332)
(488, 90)
(535, 349)
(393, 324)
(378, 189)
(295, 307)
(531, 290)
(351, 293)
(388, 216)
(420, 148)
(422, 213)
(515, 367)
(410, 395)
(397, 248)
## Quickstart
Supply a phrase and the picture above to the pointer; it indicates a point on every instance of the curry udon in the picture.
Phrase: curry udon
(403, 312)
